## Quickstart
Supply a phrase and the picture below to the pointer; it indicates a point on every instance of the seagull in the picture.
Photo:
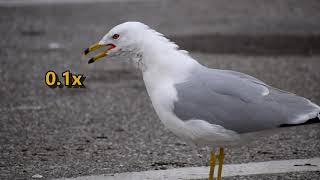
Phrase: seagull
(208, 107)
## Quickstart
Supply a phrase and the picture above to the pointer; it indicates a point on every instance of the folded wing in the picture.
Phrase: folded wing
(239, 102)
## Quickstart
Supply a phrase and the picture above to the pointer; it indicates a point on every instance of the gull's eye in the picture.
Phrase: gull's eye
(115, 36)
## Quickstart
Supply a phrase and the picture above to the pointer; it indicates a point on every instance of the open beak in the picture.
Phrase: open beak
(100, 55)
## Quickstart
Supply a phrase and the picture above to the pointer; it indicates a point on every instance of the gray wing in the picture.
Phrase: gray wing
(238, 102)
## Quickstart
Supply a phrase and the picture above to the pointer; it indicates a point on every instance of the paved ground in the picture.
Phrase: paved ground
(110, 126)
(249, 26)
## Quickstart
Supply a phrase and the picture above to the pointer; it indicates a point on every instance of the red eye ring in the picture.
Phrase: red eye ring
(115, 36)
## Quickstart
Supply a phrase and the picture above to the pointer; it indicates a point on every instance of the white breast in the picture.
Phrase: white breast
(163, 94)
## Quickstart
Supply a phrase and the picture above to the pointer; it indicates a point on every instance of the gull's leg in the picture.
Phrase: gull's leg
(212, 164)
(221, 158)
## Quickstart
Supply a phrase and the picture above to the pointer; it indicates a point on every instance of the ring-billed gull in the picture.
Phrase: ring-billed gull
(213, 107)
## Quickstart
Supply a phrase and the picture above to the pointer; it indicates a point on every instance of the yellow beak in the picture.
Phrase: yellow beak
(100, 55)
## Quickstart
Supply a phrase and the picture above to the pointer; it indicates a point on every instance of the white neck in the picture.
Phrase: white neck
(163, 57)
(163, 63)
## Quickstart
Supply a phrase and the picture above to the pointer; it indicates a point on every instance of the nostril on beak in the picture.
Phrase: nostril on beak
(86, 51)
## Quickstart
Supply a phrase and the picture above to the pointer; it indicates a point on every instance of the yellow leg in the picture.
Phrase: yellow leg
(212, 164)
(221, 158)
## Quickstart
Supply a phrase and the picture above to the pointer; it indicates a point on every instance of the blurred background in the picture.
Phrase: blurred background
(110, 126)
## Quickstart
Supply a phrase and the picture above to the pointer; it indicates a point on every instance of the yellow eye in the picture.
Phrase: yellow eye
(115, 36)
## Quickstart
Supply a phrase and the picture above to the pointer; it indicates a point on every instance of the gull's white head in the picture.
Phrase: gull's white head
(135, 41)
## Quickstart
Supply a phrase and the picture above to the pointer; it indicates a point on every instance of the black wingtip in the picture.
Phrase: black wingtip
(90, 61)
(86, 51)
(310, 121)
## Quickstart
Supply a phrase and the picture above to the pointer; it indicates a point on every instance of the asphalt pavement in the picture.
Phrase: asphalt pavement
(110, 126)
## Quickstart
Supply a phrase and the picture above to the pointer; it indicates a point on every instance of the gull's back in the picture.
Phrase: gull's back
(238, 102)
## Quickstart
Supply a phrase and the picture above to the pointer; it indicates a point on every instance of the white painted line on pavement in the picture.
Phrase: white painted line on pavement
(268, 167)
